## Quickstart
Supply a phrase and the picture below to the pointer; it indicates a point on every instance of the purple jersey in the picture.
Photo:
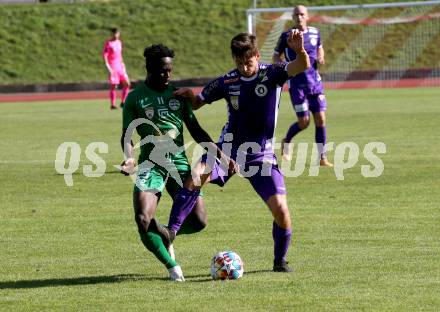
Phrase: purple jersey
(252, 104)
(309, 80)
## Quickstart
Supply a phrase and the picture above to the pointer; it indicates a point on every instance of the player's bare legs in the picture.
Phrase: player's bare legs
(302, 123)
(321, 137)
(278, 206)
(281, 231)
(145, 204)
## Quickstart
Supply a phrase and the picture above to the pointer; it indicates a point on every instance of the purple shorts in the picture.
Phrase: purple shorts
(265, 178)
(304, 103)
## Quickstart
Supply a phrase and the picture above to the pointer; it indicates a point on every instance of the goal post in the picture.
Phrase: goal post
(366, 45)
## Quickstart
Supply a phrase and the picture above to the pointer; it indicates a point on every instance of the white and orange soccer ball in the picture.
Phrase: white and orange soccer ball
(226, 265)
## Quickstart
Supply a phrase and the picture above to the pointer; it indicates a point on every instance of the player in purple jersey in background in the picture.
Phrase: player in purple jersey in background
(252, 92)
(306, 89)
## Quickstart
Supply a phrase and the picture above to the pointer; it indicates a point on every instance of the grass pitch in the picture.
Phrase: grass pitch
(359, 244)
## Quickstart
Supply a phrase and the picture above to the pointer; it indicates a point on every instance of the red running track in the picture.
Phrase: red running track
(60, 96)
(93, 95)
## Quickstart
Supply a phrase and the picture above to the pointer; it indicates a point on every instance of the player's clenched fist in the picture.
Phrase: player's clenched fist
(128, 166)
(295, 41)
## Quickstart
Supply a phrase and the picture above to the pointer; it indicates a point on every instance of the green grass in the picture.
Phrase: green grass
(52, 43)
(359, 244)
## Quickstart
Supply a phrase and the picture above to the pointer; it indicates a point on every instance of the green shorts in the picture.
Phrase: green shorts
(156, 178)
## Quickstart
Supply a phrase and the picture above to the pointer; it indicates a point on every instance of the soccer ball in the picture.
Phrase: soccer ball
(226, 265)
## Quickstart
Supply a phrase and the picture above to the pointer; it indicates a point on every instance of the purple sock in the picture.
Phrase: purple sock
(281, 239)
(293, 130)
(183, 204)
(321, 139)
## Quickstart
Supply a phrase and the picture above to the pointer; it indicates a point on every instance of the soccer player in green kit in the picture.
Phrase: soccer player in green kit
(158, 117)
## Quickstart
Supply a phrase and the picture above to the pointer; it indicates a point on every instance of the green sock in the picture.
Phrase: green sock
(153, 242)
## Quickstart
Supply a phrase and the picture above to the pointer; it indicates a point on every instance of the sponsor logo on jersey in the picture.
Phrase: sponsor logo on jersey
(231, 80)
(144, 102)
(234, 102)
(262, 73)
(260, 90)
(313, 30)
(174, 104)
(234, 88)
(149, 111)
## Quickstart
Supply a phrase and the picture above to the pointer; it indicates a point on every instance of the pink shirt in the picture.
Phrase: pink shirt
(113, 53)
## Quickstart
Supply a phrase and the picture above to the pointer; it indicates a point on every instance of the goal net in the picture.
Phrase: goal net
(380, 45)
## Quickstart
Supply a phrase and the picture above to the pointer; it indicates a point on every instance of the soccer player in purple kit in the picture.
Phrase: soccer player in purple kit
(306, 89)
(252, 92)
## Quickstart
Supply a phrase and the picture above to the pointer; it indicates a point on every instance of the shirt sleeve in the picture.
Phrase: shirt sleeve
(187, 111)
(280, 46)
(128, 113)
(213, 91)
(280, 75)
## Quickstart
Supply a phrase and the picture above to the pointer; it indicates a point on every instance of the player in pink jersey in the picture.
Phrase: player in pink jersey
(112, 55)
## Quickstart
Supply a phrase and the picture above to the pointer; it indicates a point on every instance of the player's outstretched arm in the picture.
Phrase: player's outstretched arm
(201, 136)
(321, 59)
(196, 131)
(302, 61)
(196, 102)
(128, 165)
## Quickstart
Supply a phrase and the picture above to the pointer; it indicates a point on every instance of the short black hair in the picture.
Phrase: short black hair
(154, 53)
(244, 45)
(114, 30)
